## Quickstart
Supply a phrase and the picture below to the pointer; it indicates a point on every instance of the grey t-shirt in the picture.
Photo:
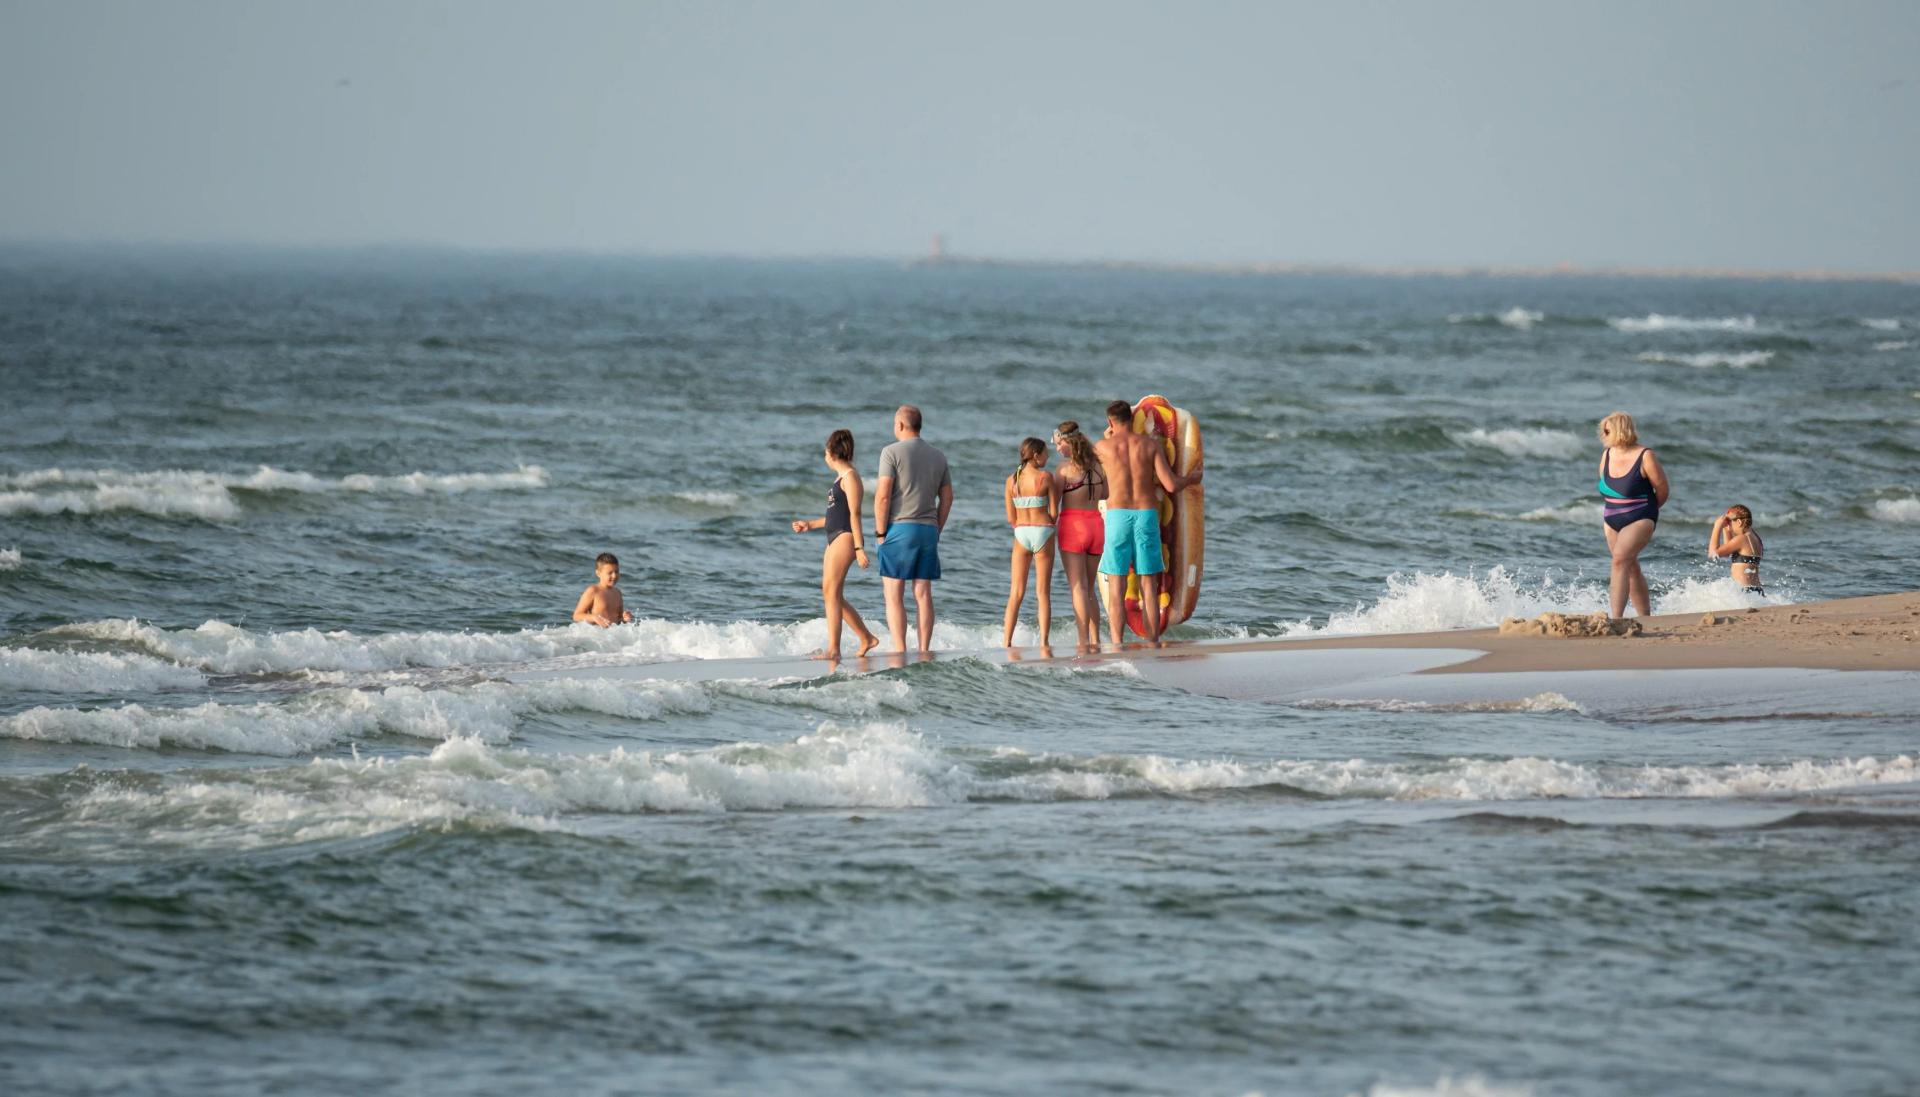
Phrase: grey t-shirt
(919, 472)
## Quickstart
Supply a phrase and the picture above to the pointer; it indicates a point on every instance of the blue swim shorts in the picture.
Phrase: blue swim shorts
(1133, 541)
(911, 551)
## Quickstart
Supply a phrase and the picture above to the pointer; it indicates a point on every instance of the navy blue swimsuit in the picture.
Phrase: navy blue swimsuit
(839, 514)
(1628, 498)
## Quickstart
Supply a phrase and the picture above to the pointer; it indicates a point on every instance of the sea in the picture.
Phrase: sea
(280, 529)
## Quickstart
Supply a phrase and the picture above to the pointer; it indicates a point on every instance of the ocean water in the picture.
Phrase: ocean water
(273, 526)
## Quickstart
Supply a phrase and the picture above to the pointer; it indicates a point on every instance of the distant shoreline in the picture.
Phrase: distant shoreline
(1462, 270)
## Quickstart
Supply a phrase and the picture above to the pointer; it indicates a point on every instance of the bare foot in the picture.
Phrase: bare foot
(868, 643)
(824, 655)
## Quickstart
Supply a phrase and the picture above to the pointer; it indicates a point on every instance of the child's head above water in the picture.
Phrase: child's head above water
(607, 567)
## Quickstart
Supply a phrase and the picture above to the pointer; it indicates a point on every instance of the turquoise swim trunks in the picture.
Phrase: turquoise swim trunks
(1133, 541)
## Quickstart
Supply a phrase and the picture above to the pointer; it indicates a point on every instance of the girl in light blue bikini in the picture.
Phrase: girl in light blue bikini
(1033, 503)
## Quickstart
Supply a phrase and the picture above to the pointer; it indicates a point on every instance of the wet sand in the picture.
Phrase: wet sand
(1877, 633)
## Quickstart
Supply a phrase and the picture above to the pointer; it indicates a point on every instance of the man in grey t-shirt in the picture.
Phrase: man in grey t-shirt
(912, 497)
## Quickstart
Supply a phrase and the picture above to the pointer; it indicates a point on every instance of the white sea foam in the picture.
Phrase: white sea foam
(1897, 510)
(1880, 325)
(1539, 702)
(488, 711)
(1656, 322)
(223, 648)
(1436, 603)
(10, 559)
(709, 498)
(90, 672)
(865, 766)
(209, 495)
(1896, 344)
(1525, 442)
(1741, 359)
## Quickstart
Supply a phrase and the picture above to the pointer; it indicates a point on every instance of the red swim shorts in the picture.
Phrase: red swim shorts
(1082, 531)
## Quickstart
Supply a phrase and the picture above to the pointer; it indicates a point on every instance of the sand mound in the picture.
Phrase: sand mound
(1562, 625)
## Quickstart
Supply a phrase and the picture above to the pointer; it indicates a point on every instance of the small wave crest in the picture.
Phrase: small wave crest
(1525, 442)
(1896, 344)
(1516, 318)
(1744, 359)
(221, 648)
(91, 672)
(1472, 1085)
(1897, 510)
(1880, 324)
(1426, 602)
(866, 766)
(210, 495)
(488, 711)
(709, 498)
(11, 560)
(1653, 322)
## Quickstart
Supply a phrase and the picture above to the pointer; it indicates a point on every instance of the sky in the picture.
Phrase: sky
(1753, 134)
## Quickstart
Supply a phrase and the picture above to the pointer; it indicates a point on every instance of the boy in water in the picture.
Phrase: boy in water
(600, 604)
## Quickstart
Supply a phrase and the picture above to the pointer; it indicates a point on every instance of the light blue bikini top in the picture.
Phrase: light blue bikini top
(1034, 502)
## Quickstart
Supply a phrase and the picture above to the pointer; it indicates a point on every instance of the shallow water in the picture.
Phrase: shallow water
(273, 526)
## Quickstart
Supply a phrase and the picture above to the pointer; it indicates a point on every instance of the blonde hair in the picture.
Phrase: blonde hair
(1617, 430)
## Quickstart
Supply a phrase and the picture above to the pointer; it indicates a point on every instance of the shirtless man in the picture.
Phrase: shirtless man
(601, 604)
(1136, 468)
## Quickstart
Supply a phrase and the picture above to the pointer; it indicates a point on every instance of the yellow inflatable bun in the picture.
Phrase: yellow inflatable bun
(1183, 548)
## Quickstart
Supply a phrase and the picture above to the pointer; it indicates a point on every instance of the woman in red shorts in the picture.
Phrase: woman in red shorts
(1082, 532)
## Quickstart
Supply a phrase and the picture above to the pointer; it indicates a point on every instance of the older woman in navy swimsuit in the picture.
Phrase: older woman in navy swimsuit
(1633, 487)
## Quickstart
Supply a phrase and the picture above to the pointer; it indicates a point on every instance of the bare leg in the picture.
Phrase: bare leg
(1016, 592)
(1625, 546)
(1043, 590)
(1150, 606)
(1116, 588)
(833, 584)
(895, 591)
(867, 639)
(923, 605)
(1637, 592)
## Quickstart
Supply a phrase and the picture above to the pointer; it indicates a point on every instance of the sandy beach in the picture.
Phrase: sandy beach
(1875, 633)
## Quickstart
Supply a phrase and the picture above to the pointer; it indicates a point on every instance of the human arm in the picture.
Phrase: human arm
(946, 503)
(1713, 536)
(851, 487)
(1170, 480)
(883, 494)
(1656, 476)
(808, 525)
(882, 506)
(1007, 498)
(1054, 496)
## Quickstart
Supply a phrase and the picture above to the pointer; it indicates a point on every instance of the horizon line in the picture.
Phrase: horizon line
(948, 259)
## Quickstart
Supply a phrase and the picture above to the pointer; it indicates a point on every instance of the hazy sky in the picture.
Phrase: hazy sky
(1744, 133)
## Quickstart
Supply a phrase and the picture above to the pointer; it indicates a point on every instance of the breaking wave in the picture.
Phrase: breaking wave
(1438, 603)
(1746, 359)
(1656, 322)
(1527, 442)
(221, 648)
(709, 498)
(486, 712)
(92, 672)
(874, 765)
(10, 559)
(210, 495)
(1897, 510)
(1880, 325)
(1516, 318)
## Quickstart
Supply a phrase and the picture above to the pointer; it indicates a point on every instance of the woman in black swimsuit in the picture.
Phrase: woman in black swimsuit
(1633, 488)
(845, 543)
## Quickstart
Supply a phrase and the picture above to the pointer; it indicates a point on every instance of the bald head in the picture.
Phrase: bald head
(906, 421)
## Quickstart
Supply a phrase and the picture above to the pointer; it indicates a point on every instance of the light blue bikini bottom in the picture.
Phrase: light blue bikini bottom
(1032, 538)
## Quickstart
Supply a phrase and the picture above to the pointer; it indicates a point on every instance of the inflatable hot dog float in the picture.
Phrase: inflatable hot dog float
(1183, 548)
